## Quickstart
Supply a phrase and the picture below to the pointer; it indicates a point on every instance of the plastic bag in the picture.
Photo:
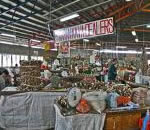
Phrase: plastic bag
(96, 100)
(112, 100)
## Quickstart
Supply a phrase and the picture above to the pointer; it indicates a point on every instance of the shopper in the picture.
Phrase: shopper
(5, 79)
(112, 72)
(148, 70)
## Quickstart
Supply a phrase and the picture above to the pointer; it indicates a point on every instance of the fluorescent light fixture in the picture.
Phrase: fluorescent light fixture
(8, 35)
(69, 17)
(85, 40)
(147, 52)
(122, 47)
(136, 40)
(98, 44)
(37, 47)
(147, 48)
(121, 52)
(148, 26)
(8, 43)
(133, 33)
(34, 40)
(128, 0)
(11, 43)
(54, 49)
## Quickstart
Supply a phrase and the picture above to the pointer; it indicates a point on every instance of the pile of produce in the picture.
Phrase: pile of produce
(91, 86)
(30, 76)
(121, 89)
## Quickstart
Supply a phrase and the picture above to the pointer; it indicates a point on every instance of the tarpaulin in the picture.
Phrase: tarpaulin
(28, 111)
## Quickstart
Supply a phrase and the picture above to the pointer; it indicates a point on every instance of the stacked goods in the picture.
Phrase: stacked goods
(139, 95)
(30, 75)
(147, 99)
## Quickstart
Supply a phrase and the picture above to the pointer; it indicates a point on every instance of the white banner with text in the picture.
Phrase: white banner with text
(87, 30)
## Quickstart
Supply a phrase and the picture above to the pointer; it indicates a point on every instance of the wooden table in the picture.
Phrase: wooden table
(123, 120)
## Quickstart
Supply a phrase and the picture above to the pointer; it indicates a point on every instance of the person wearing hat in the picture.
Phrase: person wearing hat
(112, 72)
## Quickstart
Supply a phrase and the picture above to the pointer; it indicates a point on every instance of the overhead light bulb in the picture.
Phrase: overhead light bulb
(148, 26)
(69, 17)
(85, 40)
(98, 44)
(147, 48)
(133, 33)
(136, 40)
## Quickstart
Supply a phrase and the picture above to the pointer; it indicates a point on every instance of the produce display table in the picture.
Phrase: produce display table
(28, 111)
(35, 111)
(79, 121)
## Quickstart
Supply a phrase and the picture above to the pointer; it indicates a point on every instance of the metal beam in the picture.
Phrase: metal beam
(14, 7)
(131, 12)
(21, 18)
(81, 10)
(61, 7)
(24, 9)
(23, 25)
(121, 9)
(19, 32)
(146, 10)
(135, 29)
(29, 19)
(145, 6)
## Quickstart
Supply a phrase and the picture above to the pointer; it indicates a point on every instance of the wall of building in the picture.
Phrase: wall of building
(19, 50)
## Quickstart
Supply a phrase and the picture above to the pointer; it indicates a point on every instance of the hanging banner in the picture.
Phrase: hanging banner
(87, 30)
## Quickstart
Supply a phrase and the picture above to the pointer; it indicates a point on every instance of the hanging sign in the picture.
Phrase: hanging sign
(46, 46)
(87, 30)
(64, 49)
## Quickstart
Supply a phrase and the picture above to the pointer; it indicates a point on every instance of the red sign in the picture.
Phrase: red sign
(87, 30)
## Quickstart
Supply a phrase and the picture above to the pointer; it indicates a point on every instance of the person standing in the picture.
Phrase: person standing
(5, 79)
(112, 72)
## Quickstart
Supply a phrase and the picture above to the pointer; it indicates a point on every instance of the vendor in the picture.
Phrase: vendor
(5, 79)
(112, 72)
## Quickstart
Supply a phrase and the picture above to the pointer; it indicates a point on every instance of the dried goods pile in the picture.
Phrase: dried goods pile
(30, 76)
(121, 89)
